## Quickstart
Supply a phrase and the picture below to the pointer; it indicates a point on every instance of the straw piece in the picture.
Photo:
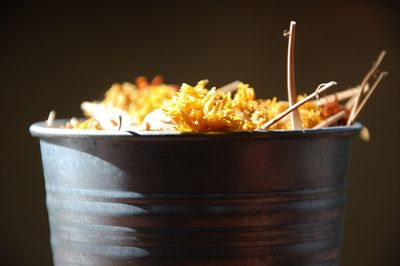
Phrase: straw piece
(120, 122)
(321, 88)
(233, 86)
(349, 104)
(369, 93)
(50, 118)
(330, 120)
(291, 84)
(363, 83)
(338, 96)
(339, 115)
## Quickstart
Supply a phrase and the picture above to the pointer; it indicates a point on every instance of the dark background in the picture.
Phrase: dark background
(55, 55)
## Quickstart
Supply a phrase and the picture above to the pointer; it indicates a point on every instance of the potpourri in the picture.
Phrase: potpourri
(158, 106)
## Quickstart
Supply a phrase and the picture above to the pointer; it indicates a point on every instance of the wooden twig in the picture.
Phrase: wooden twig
(369, 93)
(330, 120)
(291, 85)
(363, 84)
(339, 115)
(50, 119)
(338, 96)
(321, 88)
(349, 104)
(120, 122)
(233, 86)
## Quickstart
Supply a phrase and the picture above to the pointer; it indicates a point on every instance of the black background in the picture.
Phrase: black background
(55, 55)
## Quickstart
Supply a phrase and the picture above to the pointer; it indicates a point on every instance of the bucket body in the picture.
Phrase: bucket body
(244, 198)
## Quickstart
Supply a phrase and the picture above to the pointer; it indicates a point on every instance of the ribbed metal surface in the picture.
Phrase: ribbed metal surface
(196, 200)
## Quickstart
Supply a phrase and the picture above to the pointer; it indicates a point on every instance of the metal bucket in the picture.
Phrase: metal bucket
(243, 198)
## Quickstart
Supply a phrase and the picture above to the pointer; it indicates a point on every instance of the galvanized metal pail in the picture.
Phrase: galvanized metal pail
(243, 198)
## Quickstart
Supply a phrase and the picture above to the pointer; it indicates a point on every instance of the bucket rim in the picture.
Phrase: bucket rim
(40, 130)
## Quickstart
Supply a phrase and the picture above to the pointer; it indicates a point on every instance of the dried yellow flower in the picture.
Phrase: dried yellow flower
(198, 109)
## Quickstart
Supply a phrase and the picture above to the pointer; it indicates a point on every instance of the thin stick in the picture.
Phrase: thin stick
(291, 85)
(233, 86)
(321, 88)
(330, 120)
(120, 122)
(338, 96)
(339, 115)
(373, 87)
(349, 104)
(363, 83)
(50, 118)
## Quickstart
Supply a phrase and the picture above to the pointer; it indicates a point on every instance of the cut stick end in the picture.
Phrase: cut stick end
(380, 57)
(120, 122)
(231, 87)
(368, 95)
(51, 118)
(324, 86)
(367, 77)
